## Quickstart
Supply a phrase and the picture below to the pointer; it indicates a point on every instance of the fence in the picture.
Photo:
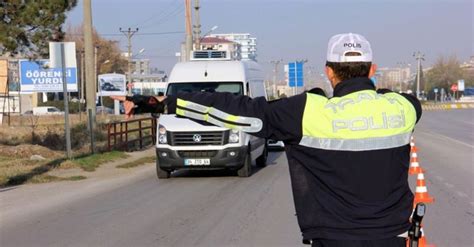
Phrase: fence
(125, 134)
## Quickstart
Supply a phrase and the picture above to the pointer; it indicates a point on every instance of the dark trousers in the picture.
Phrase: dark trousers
(390, 242)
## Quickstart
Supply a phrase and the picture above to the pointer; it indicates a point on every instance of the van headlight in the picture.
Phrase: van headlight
(162, 135)
(234, 136)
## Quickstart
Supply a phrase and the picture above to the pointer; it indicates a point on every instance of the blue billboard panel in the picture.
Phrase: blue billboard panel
(295, 74)
(35, 76)
(299, 74)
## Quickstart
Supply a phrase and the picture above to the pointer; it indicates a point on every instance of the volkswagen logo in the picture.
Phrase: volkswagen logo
(197, 138)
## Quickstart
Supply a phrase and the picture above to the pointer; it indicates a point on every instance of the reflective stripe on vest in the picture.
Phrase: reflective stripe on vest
(358, 121)
(217, 117)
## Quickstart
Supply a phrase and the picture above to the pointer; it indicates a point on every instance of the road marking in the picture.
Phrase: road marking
(449, 185)
(445, 137)
(465, 122)
(461, 194)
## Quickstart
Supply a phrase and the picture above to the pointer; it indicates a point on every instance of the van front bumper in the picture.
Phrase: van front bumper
(231, 158)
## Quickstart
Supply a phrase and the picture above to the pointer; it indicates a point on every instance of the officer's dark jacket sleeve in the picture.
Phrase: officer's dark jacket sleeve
(280, 119)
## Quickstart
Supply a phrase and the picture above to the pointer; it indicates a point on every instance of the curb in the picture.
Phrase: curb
(448, 106)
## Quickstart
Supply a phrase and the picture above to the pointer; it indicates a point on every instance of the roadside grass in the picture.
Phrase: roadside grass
(48, 178)
(91, 162)
(138, 162)
(16, 171)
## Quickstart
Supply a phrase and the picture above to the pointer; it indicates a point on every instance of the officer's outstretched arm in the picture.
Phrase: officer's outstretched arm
(279, 120)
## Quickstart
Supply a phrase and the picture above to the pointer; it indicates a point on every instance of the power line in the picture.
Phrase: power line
(165, 18)
(137, 34)
(129, 34)
(155, 15)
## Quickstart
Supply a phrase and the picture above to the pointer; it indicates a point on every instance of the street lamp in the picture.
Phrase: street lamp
(198, 43)
(418, 56)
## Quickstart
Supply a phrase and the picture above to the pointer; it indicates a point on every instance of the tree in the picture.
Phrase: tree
(445, 72)
(27, 26)
(109, 59)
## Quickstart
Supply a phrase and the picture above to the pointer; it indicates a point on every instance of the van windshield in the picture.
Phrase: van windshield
(230, 87)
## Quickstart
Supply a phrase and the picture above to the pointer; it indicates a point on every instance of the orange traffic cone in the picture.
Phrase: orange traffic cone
(421, 192)
(422, 242)
(414, 164)
(413, 148)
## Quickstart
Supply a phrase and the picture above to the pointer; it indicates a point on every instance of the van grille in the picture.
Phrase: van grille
(206, 138)
(197, 154)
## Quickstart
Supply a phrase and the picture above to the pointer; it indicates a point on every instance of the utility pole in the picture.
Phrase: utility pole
(418, 56)
(189, 34)
(275, 73)
(89, 62)
(303, 61)
(197, 25)
(129, 34)
(81, 92)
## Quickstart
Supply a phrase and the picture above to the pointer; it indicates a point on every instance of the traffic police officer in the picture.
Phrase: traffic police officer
(348, 155)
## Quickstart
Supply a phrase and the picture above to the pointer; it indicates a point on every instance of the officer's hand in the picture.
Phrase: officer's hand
(128, 105)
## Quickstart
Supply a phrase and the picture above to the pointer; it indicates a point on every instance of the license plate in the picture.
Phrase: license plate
(197, 162)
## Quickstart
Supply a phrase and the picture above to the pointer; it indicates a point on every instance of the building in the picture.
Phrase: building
(220, 44)
(140, 67)
(141, 70)
(149, 88)
(248, 45)
(393, 78)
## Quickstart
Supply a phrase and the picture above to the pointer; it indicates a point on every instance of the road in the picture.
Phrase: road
(216, 209)
(446, 143)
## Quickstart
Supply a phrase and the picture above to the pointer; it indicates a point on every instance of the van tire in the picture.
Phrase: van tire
(246, 170)
(162, 174)
(261, 161)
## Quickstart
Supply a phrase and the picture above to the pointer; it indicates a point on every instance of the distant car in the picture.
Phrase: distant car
(103, 109)
(30, 112)
(275, 145)
(107, 86)
(46, 110)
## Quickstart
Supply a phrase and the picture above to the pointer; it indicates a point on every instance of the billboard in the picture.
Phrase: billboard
(112, 84)
(38, 76)
(56, 54)
(3, 76)
(295, 74)
(461, 85)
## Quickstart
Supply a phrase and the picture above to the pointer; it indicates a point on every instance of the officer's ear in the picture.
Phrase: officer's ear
(373, 69)
(331, 75)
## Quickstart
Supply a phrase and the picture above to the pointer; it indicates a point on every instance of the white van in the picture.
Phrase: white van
(189, 144)
(46, 110)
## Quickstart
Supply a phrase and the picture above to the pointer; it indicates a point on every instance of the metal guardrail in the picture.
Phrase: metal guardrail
(121, 134)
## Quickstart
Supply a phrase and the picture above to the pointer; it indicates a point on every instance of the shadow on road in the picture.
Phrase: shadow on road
(25, 177)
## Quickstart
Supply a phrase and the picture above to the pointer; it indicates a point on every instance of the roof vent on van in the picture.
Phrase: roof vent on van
(210, 55)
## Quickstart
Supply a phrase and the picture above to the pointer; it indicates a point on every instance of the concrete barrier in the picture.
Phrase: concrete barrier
(448, 106)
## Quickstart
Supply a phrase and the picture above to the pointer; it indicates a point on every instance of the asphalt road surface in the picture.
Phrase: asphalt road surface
(217, 209)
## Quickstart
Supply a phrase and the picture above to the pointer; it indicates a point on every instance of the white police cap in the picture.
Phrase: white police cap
(349, 47)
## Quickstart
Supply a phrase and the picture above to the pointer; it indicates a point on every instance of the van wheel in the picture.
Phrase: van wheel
(246, 170)
(160, 173)
(261, 161)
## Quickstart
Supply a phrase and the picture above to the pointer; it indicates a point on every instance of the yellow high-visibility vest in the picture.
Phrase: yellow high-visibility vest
(359, 121)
